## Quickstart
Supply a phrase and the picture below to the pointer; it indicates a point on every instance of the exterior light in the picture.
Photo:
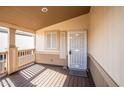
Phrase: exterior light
(44, 9)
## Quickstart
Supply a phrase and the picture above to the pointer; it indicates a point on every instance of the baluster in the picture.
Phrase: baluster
(31, 56)
(23, 57)
(6, 60)
(19, 56)
(2, 62)
(26, 56)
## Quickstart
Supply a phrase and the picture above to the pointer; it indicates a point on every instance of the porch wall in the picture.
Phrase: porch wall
(45, 56)
(52, 59)
(105, 43)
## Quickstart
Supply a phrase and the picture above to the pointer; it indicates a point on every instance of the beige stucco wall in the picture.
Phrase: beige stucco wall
(106, 40)
(79, 23)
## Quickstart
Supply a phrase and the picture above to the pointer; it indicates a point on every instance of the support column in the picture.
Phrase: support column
(35, 48)
(12, 65)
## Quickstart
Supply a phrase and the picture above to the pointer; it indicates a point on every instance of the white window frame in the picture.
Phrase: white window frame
(51, 41)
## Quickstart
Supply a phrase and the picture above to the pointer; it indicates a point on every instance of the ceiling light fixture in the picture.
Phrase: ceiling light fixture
(44, 9)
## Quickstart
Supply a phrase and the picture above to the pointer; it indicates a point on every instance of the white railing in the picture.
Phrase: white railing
(3, 61)
(26, 56)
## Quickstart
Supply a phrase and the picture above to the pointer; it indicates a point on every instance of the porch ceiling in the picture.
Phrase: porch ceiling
(31, 17)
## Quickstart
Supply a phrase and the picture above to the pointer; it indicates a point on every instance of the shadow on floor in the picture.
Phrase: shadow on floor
(45, 75)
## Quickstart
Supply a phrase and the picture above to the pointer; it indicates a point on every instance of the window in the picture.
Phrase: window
(24, 40)
(3, 38)
(51, 40)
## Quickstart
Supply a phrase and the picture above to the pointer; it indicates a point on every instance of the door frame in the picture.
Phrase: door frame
(68, 47)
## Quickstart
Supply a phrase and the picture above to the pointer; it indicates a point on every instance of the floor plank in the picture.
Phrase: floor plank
(38, 75)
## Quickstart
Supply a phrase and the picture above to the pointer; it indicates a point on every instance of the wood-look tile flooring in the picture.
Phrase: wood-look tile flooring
(38, 75)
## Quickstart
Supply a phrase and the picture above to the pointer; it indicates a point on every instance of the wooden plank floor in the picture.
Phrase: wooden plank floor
(45, 76)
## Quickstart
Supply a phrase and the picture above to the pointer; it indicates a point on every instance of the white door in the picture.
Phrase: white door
(77, 50)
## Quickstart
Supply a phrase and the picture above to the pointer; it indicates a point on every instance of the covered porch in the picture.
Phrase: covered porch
(18, 68)
(83, 39)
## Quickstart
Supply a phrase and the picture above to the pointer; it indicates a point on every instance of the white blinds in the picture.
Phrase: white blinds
(54, 40)
(48, 40)
(51, 40)
(63, 45)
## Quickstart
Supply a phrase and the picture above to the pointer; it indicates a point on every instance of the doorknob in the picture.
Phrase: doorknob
(70, 52)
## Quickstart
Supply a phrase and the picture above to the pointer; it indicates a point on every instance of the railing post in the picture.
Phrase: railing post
(12, 64)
